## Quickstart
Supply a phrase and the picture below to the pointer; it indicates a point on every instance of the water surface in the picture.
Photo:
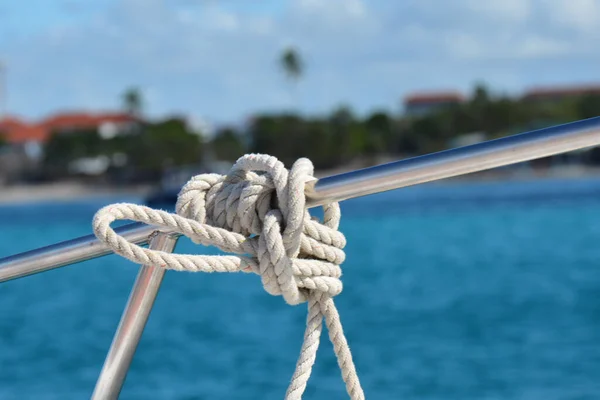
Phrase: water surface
(477, 291)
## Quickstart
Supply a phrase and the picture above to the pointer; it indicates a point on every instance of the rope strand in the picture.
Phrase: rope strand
(257, 212)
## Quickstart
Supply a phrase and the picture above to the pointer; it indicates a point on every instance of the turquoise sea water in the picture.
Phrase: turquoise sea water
(477, 291)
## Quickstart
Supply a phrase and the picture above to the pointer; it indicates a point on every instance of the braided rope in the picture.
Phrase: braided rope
(257, 211)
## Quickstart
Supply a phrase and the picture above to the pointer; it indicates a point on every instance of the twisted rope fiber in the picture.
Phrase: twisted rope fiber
(258, 212)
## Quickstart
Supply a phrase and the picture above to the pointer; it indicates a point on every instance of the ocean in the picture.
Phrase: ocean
(451, 291)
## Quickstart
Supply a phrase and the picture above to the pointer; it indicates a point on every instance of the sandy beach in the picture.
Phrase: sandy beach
(62, 191)
(59, 191)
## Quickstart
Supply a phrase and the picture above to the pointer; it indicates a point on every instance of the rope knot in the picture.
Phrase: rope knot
(261, 200)
(257, 211)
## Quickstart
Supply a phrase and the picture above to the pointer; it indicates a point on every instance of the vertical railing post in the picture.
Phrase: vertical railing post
(132, 323)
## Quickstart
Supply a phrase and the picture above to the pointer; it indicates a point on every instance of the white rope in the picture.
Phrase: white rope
(258, 212)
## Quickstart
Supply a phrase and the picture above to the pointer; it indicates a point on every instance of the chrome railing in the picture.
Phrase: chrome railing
(431, 167)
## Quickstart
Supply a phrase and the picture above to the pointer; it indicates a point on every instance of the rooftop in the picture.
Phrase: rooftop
(16, 130)
(560, 91)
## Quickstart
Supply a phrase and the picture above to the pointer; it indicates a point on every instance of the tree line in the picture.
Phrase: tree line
(331, 140)
(343, 137)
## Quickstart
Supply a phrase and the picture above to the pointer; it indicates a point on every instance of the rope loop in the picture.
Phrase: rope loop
(257, 212)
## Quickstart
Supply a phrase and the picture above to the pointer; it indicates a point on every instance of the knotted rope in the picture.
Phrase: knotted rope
(257, 211)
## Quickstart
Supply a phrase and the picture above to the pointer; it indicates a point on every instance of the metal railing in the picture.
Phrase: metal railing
(431, 167)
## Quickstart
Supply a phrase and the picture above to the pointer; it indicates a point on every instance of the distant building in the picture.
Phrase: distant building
(108, 125)
(559, 94)
(22, 151)
(26, 140)
(418, 104)
(17, 131)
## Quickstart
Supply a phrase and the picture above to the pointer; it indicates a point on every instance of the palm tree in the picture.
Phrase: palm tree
(292, 66)
(132, 100)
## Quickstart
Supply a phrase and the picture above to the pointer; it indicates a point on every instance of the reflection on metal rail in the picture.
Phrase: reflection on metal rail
(445, 164)
(132, 323)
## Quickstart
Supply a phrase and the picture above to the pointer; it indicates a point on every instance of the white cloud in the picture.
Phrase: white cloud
(211, 60)
(536, 46)
(579, 15)
(355, 8)
(505, 11)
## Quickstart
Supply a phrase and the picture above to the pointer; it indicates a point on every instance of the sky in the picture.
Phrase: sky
(218, 60)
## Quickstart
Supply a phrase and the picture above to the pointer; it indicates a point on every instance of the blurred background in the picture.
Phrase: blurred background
(487, 285)
(120, 93)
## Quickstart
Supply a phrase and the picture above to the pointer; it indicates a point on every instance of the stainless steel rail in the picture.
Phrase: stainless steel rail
(132, 323)
(455, 162)
(66, 253)
(479, 157)
(431, 167)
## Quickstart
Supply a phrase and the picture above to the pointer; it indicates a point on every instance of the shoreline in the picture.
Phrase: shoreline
(65, 191)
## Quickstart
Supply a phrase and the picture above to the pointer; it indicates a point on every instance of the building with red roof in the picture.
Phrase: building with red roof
(27, 139)
(83, 121)
(559, 93)
(15, 130)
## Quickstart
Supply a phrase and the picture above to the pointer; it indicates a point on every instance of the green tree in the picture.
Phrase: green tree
(292, 64)
(164, 144)
(227, 145)
(342, 116)
(481, 95)
(589, 106)
(283, 136)
(349, 142)
(63, 148)
(478, 108)
(133, 101)
(379, 126)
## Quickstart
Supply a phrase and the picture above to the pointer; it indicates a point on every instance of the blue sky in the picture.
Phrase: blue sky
(217, 60)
